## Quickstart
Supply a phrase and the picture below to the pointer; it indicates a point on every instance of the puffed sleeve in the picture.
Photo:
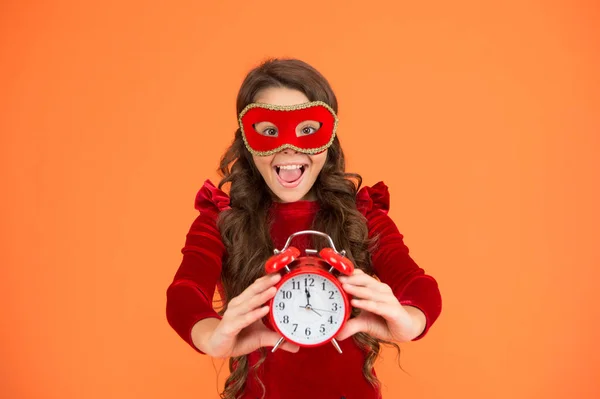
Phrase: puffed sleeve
(189, 296)
(391, 260)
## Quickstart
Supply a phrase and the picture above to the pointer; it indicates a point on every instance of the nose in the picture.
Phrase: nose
(289, 151)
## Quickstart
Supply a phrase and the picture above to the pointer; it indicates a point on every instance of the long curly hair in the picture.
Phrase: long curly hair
(245, 227)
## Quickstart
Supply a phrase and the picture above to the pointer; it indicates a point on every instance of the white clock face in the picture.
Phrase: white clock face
(308, 309)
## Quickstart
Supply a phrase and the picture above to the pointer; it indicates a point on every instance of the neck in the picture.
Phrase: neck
(310, 196)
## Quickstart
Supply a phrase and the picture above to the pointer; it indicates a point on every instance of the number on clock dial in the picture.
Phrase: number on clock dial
(308, 309)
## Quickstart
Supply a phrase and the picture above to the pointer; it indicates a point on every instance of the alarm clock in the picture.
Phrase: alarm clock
(310, 306)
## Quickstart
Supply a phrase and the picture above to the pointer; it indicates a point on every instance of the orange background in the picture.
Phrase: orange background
(482, 119)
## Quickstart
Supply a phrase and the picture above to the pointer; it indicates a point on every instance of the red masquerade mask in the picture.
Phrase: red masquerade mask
(308, 128)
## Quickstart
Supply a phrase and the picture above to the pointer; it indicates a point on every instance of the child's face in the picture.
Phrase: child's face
(289, 174)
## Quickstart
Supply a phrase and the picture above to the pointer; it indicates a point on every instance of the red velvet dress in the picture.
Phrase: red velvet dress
(312, 372)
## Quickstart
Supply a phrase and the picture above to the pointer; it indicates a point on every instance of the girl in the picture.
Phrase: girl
(286, 172)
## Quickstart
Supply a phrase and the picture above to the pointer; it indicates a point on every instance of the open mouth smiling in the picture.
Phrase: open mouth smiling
(290, 175)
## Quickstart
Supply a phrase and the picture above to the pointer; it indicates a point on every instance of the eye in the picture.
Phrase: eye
(308, 127)
(266, 129)
(308, 130)
(271, 131)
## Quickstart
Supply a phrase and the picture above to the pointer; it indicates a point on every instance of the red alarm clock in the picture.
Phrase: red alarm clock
(310, 306)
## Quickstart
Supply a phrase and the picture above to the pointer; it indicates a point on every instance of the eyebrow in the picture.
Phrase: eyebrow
(254, 124)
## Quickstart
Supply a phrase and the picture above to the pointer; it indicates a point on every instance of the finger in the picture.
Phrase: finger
(233, 324)
(359, 279)
(352, 327)
(367, 293)
(354, 273)
(255, 301)
(385, 310)
(258, 286)
(262, 284)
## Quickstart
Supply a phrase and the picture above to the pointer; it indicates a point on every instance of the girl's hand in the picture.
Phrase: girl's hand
(382, 316)
(241, 329)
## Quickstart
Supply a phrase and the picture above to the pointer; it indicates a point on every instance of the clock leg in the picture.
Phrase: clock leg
(277, 344)
(337, 346)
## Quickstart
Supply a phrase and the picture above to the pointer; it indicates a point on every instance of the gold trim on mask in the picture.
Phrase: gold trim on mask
(273, 107)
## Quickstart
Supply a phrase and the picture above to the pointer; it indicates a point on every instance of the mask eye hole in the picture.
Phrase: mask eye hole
(266, 128)
(307, 128)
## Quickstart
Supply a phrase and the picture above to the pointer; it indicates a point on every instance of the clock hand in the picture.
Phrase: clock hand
(323, 310)
(308, 307)
(311, 308)
(307, 296)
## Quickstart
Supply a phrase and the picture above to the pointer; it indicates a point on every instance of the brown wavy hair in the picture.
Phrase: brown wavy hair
(245, 227)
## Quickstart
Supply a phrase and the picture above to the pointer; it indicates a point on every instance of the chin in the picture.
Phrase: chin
(284, 194)
(287, 195)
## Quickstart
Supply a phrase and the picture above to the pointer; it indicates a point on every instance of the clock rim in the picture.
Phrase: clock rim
(305, 269)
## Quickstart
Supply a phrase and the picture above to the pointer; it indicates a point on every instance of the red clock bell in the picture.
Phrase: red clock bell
(310, 306)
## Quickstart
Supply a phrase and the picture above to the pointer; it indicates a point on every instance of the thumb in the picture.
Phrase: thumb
(352, 327)
(269, 338)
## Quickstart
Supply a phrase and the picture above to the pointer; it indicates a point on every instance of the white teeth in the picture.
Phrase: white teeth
(290, 167)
